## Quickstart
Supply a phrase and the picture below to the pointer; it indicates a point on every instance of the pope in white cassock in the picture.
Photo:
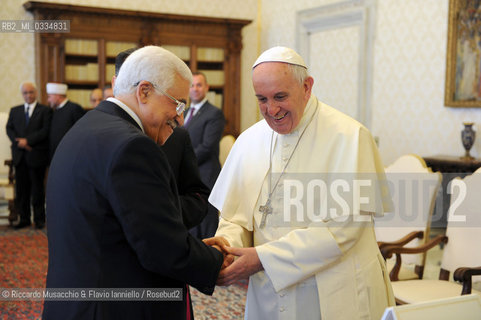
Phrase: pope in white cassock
(328, 267)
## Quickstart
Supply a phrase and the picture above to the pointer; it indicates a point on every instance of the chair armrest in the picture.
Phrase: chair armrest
(9, 163)
(403, 241)
(388, 251)
(465, 275)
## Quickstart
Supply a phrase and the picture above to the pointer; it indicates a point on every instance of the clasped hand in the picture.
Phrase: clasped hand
(23, 143)
(239, 263)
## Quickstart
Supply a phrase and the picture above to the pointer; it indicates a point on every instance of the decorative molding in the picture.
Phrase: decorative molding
(359, 13)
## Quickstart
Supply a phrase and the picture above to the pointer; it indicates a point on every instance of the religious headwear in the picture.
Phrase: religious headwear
(56, 88)
(280, 54)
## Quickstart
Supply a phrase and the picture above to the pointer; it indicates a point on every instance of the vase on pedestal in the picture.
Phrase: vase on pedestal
(468, 135)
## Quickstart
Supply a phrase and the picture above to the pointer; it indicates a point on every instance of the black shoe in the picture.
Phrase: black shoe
(39, 225)
(21, 225)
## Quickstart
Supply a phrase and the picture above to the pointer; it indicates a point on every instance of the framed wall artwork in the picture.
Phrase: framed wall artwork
(463, 59)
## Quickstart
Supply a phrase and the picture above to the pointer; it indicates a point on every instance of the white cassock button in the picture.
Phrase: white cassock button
(285, 159)
(282, 294)
(282, 309)
(285, 145)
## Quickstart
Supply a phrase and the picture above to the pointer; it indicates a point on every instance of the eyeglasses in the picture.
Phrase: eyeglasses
(180, 105)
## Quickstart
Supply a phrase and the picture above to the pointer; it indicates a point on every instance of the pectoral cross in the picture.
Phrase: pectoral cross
(265, 209)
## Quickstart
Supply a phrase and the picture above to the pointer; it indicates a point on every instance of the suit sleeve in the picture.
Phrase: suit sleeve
(11, 132)
(211, 137)
(143, 199)
(193, 192)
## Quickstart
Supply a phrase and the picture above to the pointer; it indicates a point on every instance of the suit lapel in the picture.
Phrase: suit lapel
(34, 113)
(198, 115)
(21, 117)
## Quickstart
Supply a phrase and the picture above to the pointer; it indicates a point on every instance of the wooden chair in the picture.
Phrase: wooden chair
(414, 188)
(225, 145)
(461, 257)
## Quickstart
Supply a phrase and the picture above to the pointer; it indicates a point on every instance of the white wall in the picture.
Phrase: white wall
(18, 61)
(408, 112)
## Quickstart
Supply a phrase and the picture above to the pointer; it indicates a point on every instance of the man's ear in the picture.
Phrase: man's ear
(113, 81)
(308, 84)
(143, 91)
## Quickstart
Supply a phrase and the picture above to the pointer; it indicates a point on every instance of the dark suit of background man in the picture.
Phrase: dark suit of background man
(205, 124)
(65, 114)
(28, 127)
(113, 212)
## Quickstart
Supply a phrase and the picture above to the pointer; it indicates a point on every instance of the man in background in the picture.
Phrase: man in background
(28, 128)
(65, 114)
(96, 96)
(205, 124)
(108, 92)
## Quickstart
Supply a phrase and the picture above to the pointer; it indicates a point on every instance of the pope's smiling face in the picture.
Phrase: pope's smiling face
(282, 99)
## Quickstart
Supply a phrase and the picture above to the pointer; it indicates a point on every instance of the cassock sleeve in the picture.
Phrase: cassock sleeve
(235, 233)
(304, 252)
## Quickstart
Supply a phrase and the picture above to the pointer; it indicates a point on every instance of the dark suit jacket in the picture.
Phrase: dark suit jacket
(114, 221)
(193, 193)
(205, 130)
(36, 133)
(62, 120)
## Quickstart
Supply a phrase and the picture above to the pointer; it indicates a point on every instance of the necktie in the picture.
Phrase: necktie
(190, 115)
(27, 116)
(187, 300)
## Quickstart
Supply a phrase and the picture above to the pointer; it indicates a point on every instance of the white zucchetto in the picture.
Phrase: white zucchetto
(280, 54)
(56, 88)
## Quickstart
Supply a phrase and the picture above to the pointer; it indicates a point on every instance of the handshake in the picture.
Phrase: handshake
(239, 263)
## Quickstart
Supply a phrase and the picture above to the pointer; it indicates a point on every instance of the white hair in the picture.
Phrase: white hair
(27, 82)
(153, 64)
(298, 72)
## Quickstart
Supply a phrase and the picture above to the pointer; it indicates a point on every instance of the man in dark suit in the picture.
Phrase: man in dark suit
(178, 148)
(205, 124)
(114, 217)
(192, 191)
(65, 114)
(28, 127)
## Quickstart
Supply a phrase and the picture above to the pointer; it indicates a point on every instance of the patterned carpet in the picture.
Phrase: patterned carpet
(23, 264)
(226, 303)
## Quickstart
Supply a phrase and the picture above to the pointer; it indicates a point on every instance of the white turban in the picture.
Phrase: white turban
(280, 54)
(57, 88)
